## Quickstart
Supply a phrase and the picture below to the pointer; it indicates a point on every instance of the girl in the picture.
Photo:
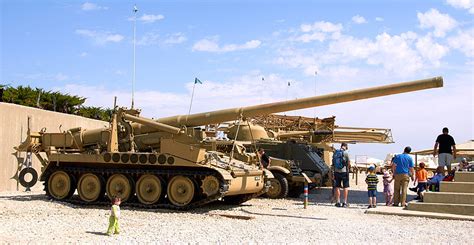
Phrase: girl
(387, 188)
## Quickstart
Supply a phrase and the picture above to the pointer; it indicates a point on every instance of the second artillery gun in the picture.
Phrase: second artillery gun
(165, 161)
(300, 145)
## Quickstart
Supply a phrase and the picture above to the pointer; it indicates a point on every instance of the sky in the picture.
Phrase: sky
(247, 52)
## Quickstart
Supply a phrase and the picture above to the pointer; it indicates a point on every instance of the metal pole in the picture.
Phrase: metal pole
(314, 109)
(191, 104)
(305, 194)
(135, 10)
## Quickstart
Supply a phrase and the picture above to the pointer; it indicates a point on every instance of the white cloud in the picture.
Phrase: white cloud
(359, 19)
(149, 38)
(316, 36)
(154, 38)
(175, 38)
(395, 53)
(212, 45)
(87, 6)
(149, 18)
(58, 77)
(441, 23)
(379, 19)
(319, 31)
(246, 90)
(431, 50)
(321, 26)
(100, 37)
(464, 42)
(83, 54)
(463, 4)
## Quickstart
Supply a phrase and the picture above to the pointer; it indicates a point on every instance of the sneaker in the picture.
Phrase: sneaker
(338, 205)
(374, 206)
(345, 205)
(370, 206)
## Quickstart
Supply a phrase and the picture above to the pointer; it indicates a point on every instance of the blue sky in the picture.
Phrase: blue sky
(85, 48)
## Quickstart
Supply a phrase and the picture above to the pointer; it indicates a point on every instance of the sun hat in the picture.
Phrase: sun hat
(371, 167)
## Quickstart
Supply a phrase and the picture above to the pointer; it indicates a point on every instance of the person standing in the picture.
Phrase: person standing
(372, 180)
(387, 188)
(340, 167)
(264, 159)
(114, 227)
(402, 168)
(447, 149)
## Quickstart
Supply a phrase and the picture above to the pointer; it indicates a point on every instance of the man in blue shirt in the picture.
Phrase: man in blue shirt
(402, 168)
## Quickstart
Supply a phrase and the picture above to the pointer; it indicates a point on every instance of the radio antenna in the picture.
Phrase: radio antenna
(135, 10)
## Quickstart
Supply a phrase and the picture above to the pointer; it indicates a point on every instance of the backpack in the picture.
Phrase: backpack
(338, 159)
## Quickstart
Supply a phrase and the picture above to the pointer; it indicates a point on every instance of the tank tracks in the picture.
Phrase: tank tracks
(133, 202)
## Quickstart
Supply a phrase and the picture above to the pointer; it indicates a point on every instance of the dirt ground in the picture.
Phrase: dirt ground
(33, 218)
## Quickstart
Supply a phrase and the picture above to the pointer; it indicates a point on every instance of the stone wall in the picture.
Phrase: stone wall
(13, 127)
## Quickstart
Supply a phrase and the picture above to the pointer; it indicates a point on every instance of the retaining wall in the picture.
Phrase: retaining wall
(13, 127)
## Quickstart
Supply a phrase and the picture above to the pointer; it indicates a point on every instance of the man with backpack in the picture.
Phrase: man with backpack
(340, 167)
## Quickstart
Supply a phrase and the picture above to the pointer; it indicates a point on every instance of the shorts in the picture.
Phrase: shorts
(372, 193)
(445, 159)
(341, 180)
(421, 186)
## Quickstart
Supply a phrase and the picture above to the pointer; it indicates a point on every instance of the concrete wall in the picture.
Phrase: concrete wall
(13, 127)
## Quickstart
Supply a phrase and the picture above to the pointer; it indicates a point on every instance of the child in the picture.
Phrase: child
(114, 217)
(387, 188)
(422, 178)
(372, 181)
(434, 182)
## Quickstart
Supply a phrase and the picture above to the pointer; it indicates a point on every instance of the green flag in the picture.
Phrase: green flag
(196, 80)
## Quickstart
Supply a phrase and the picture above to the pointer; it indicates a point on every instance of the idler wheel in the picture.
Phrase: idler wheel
(180, 190)
(118, 185)
(148, 189)
(90, 187)
(60, 185)
(34, 177)
(210, 185)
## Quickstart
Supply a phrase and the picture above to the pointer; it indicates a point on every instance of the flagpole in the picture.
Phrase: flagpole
(315, 74)
(191, 104)
(135, 10)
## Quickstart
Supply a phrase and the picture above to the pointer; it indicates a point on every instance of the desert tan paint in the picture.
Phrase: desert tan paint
(233, 113)
(13, 120)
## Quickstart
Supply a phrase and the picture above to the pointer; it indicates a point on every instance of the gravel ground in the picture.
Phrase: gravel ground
(32, 218)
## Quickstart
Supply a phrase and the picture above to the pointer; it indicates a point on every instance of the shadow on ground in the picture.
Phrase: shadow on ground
(97, 233)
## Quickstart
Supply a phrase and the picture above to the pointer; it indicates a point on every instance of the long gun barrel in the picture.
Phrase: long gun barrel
(218, 116)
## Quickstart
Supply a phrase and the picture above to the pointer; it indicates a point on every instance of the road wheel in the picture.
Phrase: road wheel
(181, 190)
(60, 185)
(119, 185)
(148, 189)
(90, 187)
(278, 186)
